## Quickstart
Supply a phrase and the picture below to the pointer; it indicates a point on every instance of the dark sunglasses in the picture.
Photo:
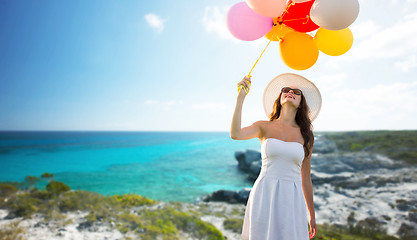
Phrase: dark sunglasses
(294, 90)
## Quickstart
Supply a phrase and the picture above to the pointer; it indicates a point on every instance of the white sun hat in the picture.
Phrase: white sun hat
(310, 92)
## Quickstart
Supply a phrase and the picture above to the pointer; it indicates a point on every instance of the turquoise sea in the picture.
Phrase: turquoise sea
(169, 166)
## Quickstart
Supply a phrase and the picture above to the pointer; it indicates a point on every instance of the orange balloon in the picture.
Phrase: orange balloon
(298, 50)
(277, 32)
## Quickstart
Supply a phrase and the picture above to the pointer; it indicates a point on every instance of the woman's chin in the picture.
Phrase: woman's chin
(289, 103)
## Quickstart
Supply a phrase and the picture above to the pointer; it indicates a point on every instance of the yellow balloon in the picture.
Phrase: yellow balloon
(334, 43)
(277, 32)
(298, 50)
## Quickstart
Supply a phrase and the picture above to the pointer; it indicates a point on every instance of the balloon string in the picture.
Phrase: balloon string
(281, 20)
(296, 19)
(286, 9)
(249, 76)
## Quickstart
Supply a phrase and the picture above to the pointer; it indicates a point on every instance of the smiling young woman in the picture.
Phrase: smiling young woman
(283, 192)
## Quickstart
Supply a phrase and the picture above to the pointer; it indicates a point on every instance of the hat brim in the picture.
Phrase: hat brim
(310, 92)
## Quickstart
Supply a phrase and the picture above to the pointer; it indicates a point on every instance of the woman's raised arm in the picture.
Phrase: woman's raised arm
(236, 130)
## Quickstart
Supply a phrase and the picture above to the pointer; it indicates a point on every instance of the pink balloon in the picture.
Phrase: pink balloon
(268, 8)
(247, 25)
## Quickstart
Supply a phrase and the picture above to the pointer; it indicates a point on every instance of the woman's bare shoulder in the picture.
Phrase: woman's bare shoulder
(261, 123)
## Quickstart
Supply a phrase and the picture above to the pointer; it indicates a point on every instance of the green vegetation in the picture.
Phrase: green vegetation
(130, 213)
(337, 232)
(30, 182)
(7, 189)
(135, 215)
(56, 188)
(398, 145)
(233, 224)
(132, 200)
(47, 176)
(12, 232)
(361, 231)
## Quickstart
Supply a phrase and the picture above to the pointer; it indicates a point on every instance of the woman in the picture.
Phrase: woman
(276, 208)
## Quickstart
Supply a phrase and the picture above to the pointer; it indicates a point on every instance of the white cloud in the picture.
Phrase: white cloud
(407, 64)
(214, 21)
(390, 42)
(397, 1)
(385, 106)
(327, 83)
(364, 29)
(155, 21)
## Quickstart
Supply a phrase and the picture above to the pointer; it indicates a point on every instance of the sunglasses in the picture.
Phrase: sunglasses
(294, 90)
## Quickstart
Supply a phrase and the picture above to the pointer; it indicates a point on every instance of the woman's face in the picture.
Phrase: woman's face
(290, 97)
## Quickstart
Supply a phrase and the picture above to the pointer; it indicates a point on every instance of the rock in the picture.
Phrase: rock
(249, 162)
(412, 216)
(351, 219)
(405, 205)
(330, 163)
(324, 145)
(369, 148)
(254, 170)
(84, 225)
(335, 180)
(244, 194)
(240, 157)
(370, 226)
(40, 224)
(246, 158)
(407, 231)
(228, 196)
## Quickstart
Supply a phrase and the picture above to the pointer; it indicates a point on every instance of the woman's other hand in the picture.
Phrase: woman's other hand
(313, 228)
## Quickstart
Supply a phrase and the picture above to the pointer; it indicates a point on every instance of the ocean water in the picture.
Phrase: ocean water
(169, 166)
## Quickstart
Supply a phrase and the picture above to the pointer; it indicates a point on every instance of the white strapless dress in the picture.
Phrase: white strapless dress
(276, 209)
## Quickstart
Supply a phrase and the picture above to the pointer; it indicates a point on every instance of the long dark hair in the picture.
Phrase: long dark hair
(301, 118)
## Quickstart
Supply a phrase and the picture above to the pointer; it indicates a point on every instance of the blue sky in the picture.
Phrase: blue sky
(163, 65)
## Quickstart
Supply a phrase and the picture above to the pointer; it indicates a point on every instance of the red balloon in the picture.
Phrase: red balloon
(298, 18)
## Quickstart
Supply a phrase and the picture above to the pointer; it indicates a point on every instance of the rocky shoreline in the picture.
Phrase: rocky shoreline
(363, 194)
(76, 225)
(355, 189)
(57, 212)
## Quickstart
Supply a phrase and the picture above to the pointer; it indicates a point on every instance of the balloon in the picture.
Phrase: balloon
(246, 24)
(269, 8)
(297, 17)
(334, 14)
(277, 32)
(334, 43)
(298, 50)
